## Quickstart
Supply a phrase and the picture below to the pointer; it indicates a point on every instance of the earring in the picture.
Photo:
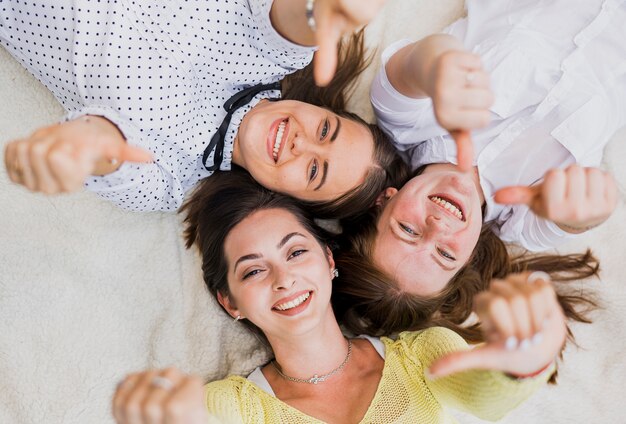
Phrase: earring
(335, 273)
(237, 318)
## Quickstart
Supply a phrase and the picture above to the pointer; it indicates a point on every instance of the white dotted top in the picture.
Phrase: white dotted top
(161, 71)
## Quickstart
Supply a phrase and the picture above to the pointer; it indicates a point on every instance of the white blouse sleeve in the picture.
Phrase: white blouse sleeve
(134, 186)
(409, 121)
(274, 46)
(532, 232)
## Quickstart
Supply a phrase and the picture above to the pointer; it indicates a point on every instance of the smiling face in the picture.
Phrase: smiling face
(428, 230)
(303, 150)
(279, 277)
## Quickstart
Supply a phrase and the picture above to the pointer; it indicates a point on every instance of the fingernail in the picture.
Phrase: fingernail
(538, 275)
(524, 345)
(537, 338)
(511, 343)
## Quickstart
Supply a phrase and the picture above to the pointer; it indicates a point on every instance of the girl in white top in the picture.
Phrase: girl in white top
(146, 82)
(559, 93)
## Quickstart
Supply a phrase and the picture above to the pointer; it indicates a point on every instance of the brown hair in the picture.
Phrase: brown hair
(390, 169)
(216, 206)
(368, 301)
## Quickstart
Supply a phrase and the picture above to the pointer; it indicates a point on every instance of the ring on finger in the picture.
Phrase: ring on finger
(162, 383)
(538, 275)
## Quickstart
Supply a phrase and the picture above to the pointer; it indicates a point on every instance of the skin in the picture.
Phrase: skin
(315, 137)
(270, 257)
(419, 243)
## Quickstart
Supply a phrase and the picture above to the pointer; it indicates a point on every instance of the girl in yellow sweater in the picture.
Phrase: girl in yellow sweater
(268, 265)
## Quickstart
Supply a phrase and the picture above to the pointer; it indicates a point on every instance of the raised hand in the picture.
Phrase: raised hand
(333, 19)
(60, 157)
(576, 199)
(523, 324)
(156, 397)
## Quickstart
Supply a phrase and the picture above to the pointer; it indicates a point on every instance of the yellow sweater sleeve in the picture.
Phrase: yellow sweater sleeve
(488, 395)
(224, 401)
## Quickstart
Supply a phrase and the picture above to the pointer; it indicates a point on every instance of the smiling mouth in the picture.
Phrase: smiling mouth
(279, 140)
(449, 205)
(293, 303)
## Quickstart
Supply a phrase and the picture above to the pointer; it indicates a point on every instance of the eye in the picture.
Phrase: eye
(446, 255)
(251, 273)
(325, 129)
(296, 253)
(313, 172)
(407, 230)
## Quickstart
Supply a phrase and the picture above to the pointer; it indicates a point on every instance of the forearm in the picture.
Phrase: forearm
(289, 20)
(410, 70)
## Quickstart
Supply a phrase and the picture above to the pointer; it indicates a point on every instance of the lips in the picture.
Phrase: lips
(293, 304)
(449, 205)
(278, 134)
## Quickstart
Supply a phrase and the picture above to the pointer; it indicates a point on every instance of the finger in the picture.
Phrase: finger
(464, 149)
(121, 393)
(132, 404)
(123, 152)
(479, 358)
(186, 403)
(496, 310)
(517, 195)
(515, 294)
(576, 186)
(10, 162)
(23, 164)
(67, 172)
(154, 404)
(472, 98)
(610, 191)
(553, 193)
(468, 61)
(595, 186)
(329, 30)
(46, 182)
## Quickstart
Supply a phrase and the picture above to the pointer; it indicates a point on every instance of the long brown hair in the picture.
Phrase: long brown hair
(368, 301)
(389, 168)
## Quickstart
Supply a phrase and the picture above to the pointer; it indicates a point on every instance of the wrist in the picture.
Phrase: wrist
(290, 18)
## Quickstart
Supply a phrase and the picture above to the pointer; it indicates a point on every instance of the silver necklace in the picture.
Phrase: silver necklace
(316, 378)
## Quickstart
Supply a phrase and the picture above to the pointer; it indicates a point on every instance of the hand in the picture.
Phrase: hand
(155, 397)
(576, 199)
(60, 157)
(333, 18)
(459, 88)
(524, 327)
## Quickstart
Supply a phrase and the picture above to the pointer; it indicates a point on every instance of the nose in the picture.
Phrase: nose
(436, 225)
(283, 280)
(303, 144)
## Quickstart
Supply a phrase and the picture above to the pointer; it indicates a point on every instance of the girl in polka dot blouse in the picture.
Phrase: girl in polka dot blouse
(145, 86)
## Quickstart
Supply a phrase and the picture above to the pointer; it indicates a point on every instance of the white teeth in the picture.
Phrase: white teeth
(292, 304)
(448, 206)
(279, 138)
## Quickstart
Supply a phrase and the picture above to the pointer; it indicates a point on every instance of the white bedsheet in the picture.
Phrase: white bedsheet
(89, 292)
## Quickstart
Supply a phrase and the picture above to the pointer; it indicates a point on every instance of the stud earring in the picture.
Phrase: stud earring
(335, 273)
(237, 318)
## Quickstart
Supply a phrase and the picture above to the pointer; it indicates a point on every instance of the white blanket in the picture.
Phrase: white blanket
(89, 292)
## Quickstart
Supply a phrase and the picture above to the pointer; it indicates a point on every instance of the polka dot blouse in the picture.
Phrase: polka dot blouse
(161, 71)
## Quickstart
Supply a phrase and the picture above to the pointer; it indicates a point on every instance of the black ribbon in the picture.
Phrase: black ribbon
(235, 102)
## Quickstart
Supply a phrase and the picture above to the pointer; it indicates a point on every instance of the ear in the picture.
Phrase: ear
(226, 303)
(331, 260)
(384, 197)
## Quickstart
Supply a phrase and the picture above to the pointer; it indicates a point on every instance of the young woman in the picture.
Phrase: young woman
(269, 267)
(188, 88)
(558, 96)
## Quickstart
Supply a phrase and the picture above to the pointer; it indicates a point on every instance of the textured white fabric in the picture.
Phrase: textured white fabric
(160, 71)
(559, 97)
(89, 292)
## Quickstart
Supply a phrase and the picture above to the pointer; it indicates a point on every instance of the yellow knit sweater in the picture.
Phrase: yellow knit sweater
(403, 395)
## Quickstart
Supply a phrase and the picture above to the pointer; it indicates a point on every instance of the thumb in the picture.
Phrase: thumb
(517, 195)
(478, 358)
(464, 149)
(127, 153)
(328, 34)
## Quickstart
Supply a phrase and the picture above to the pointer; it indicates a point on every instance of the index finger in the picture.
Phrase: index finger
(464, 149)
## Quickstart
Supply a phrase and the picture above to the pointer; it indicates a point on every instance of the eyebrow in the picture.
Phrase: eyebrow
(445, 268)
(253, 256)
(325, 169)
